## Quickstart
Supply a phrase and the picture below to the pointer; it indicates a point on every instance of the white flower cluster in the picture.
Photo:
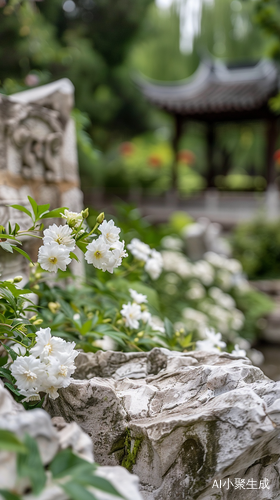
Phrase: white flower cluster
(133, 313)
(48, 367)
(54, 254)
(213, 342)
(107, 251)
(152, 258)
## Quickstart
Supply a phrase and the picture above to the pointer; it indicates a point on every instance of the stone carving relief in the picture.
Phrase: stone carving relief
(38, 136)
(38, 157)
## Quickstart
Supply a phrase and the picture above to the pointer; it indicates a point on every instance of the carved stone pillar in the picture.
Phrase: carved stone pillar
(38, 155)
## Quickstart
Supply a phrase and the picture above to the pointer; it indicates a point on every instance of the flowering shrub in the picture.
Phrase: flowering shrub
(39, 363)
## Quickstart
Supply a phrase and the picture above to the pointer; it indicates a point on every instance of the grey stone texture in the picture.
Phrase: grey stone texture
(52, 435)
(180, 421)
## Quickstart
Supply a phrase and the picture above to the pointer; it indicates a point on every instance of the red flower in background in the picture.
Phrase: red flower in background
(155, 161)
(186, 156)
(126, 148)
(276, 156)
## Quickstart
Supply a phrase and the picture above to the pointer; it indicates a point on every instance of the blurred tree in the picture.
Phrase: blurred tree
(267, 17)
(85, 40)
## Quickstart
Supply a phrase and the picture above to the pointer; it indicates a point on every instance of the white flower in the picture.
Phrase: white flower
(207, 346)
(30, 394)
(146, 317)
(62, 235)
(177, 263)
(234, 266)
(196, 291)
(46, 345)
(139, 298)
(52, 257)
(117, 254)
(204, 271)
(172, 243)
(60, 370)
(237, 351)
(109, 232)
(154, 265)
(28, 372)
(237, 319)
(98, 253)
(157, 324)
(73, 219)
(139, 250)
(51, 390)
(131, 313)
(212, 343)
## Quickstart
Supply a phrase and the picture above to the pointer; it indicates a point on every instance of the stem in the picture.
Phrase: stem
(16, 342)
(95, 227)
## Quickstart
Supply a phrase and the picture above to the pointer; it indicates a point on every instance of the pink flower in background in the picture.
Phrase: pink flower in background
(126, 149)
(186, 156)
(31, 80)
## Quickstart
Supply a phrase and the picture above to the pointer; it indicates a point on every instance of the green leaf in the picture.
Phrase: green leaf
(16, 229)
(169, 330)
(10, 442)
(54, 213)
(6, 246)
(77, 492)
(43, 209)
(74, 256)
(99, 483)
(34, 206)
(12, 389)
(12, 353)
(6, 374)
(8, 495)
(30, 465)
(22, 209)
(65, 462)
(22, 252)
(86, 327)
(3, 360)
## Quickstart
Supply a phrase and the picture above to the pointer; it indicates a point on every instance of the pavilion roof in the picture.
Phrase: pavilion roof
(217, 91)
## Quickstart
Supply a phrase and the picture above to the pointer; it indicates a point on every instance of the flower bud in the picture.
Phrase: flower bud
(53, 307)
(100, 218)
(17, 279)
(38, 322)
(33, 317)
(85, 213)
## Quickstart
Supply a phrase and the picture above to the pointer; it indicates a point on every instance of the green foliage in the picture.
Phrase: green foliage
(131, 449)
(257, 245)
(68, 471)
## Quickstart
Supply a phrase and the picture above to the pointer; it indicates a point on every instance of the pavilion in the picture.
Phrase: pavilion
(217, 93)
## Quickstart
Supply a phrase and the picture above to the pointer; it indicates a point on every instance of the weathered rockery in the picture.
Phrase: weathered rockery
(180, 421)
(53, 435)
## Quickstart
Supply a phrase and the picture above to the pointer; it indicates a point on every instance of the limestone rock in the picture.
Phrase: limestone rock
(180, 421)
(51, 437)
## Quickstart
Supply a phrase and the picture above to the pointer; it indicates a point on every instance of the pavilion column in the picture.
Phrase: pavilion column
(175, 146)
(210, 140)
(271, 137)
